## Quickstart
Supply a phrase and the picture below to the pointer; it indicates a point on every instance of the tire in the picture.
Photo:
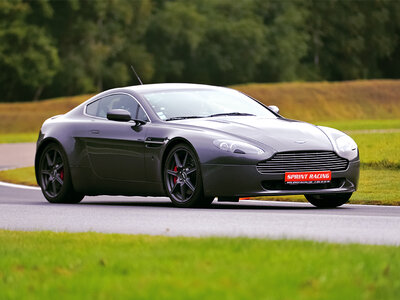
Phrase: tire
(328, 200)
(55, 177)
(182, 178)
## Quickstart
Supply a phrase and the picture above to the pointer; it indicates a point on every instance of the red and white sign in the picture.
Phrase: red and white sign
(308, 176)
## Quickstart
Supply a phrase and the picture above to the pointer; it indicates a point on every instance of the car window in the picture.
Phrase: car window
(100, 107)
(203, 103)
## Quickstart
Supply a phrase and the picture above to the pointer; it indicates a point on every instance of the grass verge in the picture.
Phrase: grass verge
(353, 125)
(18, 137)
(39, 265)
(19, 176)
(379, 149)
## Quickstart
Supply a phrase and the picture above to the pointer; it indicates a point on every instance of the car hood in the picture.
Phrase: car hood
(278, 134)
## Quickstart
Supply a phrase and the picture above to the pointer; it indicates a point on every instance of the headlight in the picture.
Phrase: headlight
(344, 145)
(237, 147)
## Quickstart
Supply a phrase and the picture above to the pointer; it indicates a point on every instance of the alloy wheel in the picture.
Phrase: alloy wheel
(52, 172)
(182, 171)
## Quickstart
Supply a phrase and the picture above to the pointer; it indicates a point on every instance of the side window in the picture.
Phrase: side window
(100, 107)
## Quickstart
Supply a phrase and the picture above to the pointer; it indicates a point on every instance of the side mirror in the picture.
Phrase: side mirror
(274, 108)
(121, 115)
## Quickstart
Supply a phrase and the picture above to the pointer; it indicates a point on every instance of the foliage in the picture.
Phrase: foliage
(28, 56)
(51, 48)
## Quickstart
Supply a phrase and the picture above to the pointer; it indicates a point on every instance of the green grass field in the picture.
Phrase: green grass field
(355, 125)
(45, 265)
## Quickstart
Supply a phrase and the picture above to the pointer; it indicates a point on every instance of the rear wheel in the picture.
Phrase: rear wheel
(55, 177)
(328, 200)
(182, 178)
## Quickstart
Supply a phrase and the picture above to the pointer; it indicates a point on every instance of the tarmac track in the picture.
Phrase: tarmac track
(24, 208)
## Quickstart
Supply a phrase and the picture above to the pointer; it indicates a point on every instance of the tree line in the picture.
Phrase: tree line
(58, 48)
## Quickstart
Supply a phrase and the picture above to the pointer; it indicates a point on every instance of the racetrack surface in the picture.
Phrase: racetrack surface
(17, 155)
(26, 209)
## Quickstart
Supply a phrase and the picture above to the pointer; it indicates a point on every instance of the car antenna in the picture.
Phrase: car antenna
(137, 76)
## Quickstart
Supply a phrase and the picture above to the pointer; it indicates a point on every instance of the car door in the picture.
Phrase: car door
(116, 149)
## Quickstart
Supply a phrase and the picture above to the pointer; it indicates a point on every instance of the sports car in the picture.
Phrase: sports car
(192, 143)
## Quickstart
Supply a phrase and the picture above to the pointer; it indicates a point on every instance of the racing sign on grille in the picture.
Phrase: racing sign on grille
(308, 177)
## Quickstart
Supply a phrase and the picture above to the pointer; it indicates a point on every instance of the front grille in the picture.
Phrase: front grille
(303, 161)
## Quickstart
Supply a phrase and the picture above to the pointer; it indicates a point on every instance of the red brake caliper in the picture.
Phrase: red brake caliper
(62, 174)
(176, 177)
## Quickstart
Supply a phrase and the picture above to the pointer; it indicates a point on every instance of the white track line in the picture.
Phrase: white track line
(19, 186)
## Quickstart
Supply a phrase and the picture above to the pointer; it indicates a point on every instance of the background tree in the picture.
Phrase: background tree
(28, 56)
(52, 48)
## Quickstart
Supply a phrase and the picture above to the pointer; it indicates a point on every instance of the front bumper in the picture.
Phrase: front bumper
(246, 181)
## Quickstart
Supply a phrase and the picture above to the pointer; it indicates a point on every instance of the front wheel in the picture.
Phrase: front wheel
(55, 177)
(182, 178)
(328, 200)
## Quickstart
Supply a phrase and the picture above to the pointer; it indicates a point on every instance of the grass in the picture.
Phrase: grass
(378, 186)
(27, 117)
(352, 125)
(332, 101)
(20, 176)
(18, 137)
(379, 149)
(40, 265)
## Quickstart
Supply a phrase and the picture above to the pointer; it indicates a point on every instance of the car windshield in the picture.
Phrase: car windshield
(200, 103)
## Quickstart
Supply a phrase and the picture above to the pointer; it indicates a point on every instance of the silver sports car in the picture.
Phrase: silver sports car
(192, 143)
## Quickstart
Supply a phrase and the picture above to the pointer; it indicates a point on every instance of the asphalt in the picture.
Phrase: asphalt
(26, 209)
(17, 155)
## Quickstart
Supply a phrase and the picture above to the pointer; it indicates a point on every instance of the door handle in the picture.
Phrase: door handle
(94, 131)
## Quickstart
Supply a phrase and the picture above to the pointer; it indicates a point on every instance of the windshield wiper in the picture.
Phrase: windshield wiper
(183, 118)
(231, 114)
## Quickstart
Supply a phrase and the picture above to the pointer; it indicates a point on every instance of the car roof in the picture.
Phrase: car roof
(146, 88)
